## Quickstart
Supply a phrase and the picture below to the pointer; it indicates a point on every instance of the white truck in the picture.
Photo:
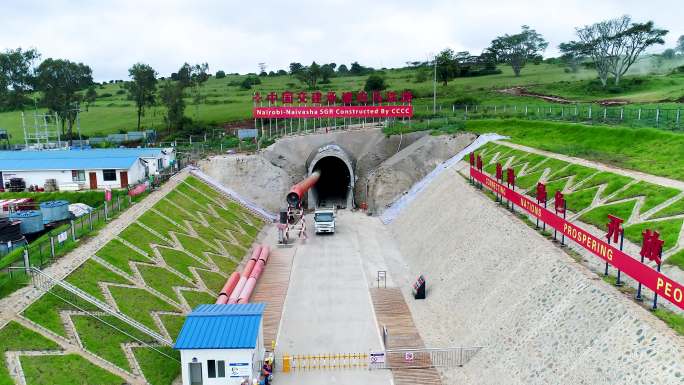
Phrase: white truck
(324, 220)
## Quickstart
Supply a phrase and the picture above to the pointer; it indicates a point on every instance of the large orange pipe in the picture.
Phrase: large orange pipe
(237, 289)
(228, 288)
(247, 291)
(249, 286)
(265, 252)
(294, 197)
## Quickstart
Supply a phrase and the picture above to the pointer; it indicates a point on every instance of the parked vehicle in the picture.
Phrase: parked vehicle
(324, 221)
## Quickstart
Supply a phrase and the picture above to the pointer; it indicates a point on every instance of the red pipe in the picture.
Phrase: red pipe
(238, 289)
(228, 288)
(265, 252)
(247, 291)
(296, 194)
(249, 286)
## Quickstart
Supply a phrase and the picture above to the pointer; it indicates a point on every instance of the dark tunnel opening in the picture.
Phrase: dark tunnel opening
(333, 187)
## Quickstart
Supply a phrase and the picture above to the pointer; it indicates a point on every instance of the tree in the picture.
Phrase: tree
(614, 45)
(669, 54)
(142, 87)
(571, 56)
(357, 69)
(327, 71)
(518, 49)
(220, 74)
(90, 96)
(342, 70)
(310, 75)
(446, 67)
(680, 45)
(185, 75)
(59, 81)
(281, 72)
(295, 68)
(375, 83)
(16, 77)
(171, 95)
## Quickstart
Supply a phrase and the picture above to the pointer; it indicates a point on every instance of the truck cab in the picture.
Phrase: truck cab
(324, 220)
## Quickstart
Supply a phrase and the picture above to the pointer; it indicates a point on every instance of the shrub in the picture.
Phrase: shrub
(120, 92)
(375, 82)
(105, 95)
(220, 74)
(466, 100)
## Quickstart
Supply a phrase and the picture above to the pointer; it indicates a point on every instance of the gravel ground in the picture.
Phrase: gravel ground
(541, 317)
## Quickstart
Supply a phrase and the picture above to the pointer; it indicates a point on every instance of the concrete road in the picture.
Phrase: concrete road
(328, 307)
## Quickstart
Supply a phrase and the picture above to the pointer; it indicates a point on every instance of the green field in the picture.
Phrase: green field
(226, 101)
(190, 266)
(643, 149)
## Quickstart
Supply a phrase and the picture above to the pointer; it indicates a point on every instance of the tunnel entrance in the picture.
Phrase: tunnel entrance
(334, 186)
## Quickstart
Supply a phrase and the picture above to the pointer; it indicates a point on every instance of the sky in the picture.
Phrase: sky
(235, 36)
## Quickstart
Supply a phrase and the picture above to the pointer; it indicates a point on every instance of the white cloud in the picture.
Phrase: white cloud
(236, 35)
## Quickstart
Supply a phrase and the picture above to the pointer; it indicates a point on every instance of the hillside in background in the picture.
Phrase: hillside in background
(224, 100)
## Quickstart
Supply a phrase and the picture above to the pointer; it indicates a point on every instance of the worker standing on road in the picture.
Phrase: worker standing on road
(266, 371)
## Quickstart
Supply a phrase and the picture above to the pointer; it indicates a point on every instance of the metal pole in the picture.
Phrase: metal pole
(434, 89)
(655, 294)
(622, 241)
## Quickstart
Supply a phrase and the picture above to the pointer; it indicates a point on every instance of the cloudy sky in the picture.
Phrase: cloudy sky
(235, 35)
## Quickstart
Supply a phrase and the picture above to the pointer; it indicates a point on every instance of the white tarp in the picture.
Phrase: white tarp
(398, 205)
(249, 204)
(79, 209)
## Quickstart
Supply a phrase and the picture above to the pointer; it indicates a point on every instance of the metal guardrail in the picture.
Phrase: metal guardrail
(45, 282)
(418, 358)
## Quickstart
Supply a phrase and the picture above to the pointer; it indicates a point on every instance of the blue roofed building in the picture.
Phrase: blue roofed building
(222, 344)
(84, 168)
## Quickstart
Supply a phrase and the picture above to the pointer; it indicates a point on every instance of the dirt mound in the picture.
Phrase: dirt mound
(540, 317)
(397, 174)
(251, 176)
(522, 91)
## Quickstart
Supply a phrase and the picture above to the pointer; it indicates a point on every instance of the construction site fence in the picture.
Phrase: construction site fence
(658, 117)
(64, 238)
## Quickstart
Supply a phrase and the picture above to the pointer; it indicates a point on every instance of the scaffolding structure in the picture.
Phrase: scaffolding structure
(45, 132)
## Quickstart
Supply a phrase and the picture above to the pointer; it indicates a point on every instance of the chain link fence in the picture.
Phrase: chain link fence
(663, 118)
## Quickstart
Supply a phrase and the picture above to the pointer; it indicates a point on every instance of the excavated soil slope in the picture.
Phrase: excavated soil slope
(541, 317)
(266, 177)
(397, 174)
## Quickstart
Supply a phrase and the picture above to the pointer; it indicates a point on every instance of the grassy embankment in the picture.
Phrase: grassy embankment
(200, 235)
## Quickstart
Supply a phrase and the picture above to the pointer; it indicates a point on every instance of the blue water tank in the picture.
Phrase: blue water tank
(54, 211)
(6, 247)
(31, 220)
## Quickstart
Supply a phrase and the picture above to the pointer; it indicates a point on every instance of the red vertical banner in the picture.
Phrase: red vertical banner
(661, 284)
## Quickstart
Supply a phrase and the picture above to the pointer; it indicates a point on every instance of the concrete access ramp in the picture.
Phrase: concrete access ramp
(541, 317)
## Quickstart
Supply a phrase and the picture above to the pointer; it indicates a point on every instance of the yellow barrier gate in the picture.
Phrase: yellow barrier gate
(324, 361)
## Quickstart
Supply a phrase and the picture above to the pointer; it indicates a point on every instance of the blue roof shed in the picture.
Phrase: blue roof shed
(111, 158)
(231, 326)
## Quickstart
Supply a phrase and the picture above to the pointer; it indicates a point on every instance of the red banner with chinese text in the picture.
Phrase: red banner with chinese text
(649, 277)
(281, 112)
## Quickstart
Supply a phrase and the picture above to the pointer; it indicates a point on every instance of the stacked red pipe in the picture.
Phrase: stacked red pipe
(239, 287)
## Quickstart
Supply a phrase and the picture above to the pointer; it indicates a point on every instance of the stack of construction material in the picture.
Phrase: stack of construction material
(51, 185)
(239, 287)
(17, 185)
